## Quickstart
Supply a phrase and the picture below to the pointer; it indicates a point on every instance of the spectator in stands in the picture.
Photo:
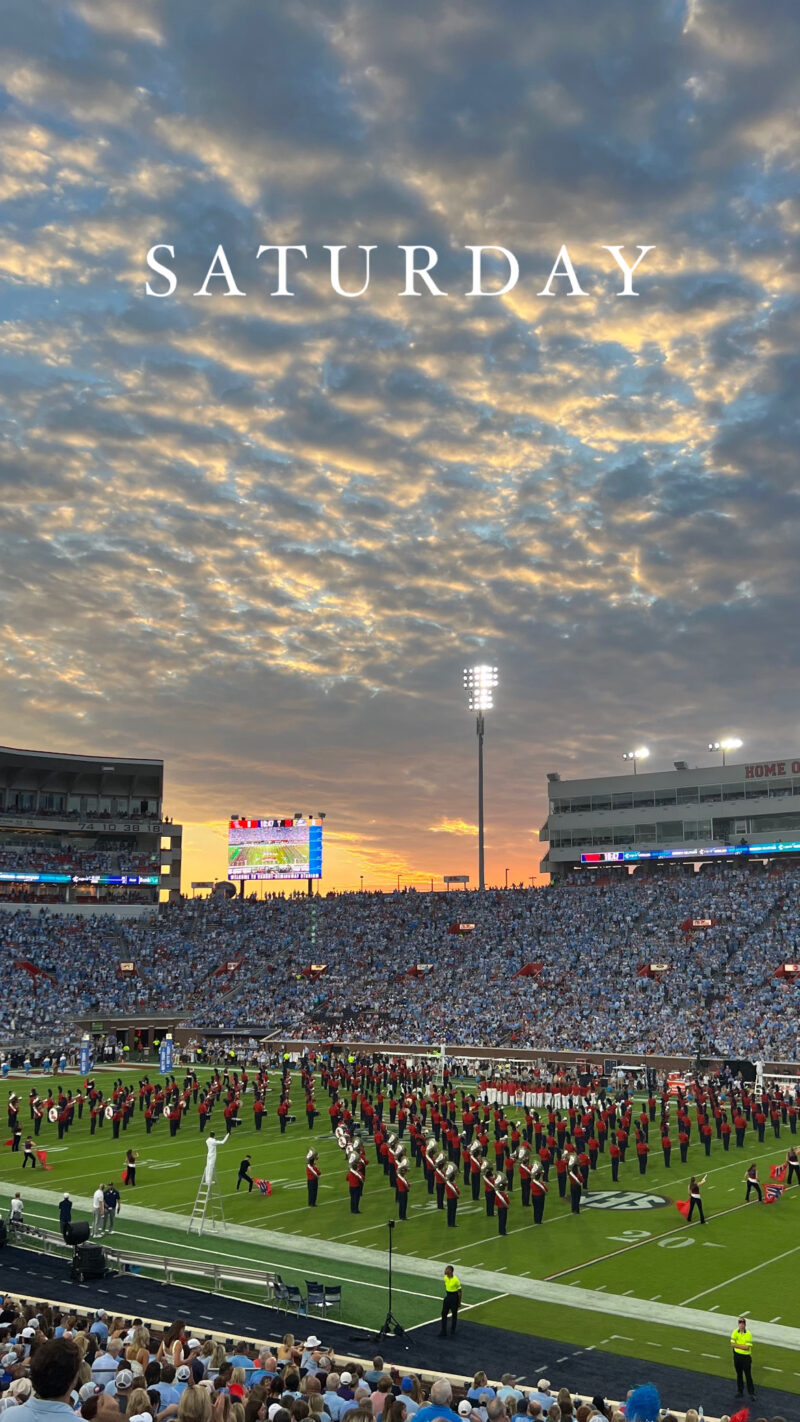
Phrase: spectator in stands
(54, 1373)
(106, 1359)
(439, 1406)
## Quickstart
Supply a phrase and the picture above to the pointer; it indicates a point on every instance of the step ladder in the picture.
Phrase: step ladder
(207, 1206)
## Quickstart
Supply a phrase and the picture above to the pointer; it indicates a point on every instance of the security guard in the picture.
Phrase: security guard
(742, 1344)
(452, 1300)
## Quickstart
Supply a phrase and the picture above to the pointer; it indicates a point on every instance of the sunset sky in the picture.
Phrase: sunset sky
(262, 536)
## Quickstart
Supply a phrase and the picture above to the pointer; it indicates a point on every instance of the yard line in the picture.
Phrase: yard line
(776, 1320)
(745, 1274)
(715, 1356)
(465, 1307)
(773, 1370)
(626, 1248)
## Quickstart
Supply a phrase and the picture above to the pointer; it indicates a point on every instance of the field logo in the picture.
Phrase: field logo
(622, 1200)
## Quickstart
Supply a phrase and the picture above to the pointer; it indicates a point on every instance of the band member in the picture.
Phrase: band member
(538, 1189)
(129, 1176)
(696, 1199)
(524, 1176)
(439, 1178)
(244, 1174)
(402, 1188)
(488, 1188)
(29, 1155)
(355, 1180)
(502, 1195)
(575, 1185)
(452, 1191)
(313, 1173)
(751, 1179)
(792, 1166)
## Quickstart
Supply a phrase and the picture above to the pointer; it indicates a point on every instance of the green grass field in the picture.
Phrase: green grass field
(665, 1280)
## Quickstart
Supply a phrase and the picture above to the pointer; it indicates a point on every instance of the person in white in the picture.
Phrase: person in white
(15, 1213)
(211, 1157)
(98, 1210)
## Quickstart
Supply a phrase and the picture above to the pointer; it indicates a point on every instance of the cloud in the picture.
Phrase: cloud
(263, 537)
(457, 827)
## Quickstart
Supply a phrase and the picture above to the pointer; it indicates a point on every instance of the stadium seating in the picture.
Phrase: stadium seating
(27, 1326)
(394, 969)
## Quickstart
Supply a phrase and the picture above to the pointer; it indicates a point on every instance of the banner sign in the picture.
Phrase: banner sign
(769, 769)
(165, 1055)
(86, 1054)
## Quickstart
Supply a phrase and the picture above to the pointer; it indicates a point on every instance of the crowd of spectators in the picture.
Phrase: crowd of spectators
(102, 1367)
(394, 971)
(45, 857)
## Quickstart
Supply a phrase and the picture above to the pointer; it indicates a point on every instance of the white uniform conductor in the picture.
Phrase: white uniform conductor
(211, 1158)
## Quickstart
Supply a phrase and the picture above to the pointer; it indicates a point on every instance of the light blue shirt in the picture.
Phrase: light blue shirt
(334, 1404)
(36, 1409)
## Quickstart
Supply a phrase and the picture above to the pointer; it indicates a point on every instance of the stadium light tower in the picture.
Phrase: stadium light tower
(480, 683)
(730, 743)
(641, 753)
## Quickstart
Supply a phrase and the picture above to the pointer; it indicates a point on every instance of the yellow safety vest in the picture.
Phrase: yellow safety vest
(451, 1285)
(742, 1342)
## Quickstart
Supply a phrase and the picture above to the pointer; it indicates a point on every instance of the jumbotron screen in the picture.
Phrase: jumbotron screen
(274, 849)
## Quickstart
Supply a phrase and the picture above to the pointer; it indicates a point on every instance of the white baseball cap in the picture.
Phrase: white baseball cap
(464, 1408)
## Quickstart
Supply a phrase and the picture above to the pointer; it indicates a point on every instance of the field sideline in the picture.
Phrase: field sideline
(548, 1280)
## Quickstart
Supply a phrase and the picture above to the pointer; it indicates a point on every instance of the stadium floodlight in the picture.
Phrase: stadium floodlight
(730, 743)
(641, 753)
(480, 683)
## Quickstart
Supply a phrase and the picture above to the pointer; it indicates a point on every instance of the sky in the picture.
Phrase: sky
(261, 537)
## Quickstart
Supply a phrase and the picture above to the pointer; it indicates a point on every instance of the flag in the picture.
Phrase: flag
(41, 1156)
(683, 1207)
(264, 1186)
(773, 1193)
(742, 1416)
(777, 1172)
(11, 1142)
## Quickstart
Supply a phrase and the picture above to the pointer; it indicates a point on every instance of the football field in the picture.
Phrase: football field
(628, 1275)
